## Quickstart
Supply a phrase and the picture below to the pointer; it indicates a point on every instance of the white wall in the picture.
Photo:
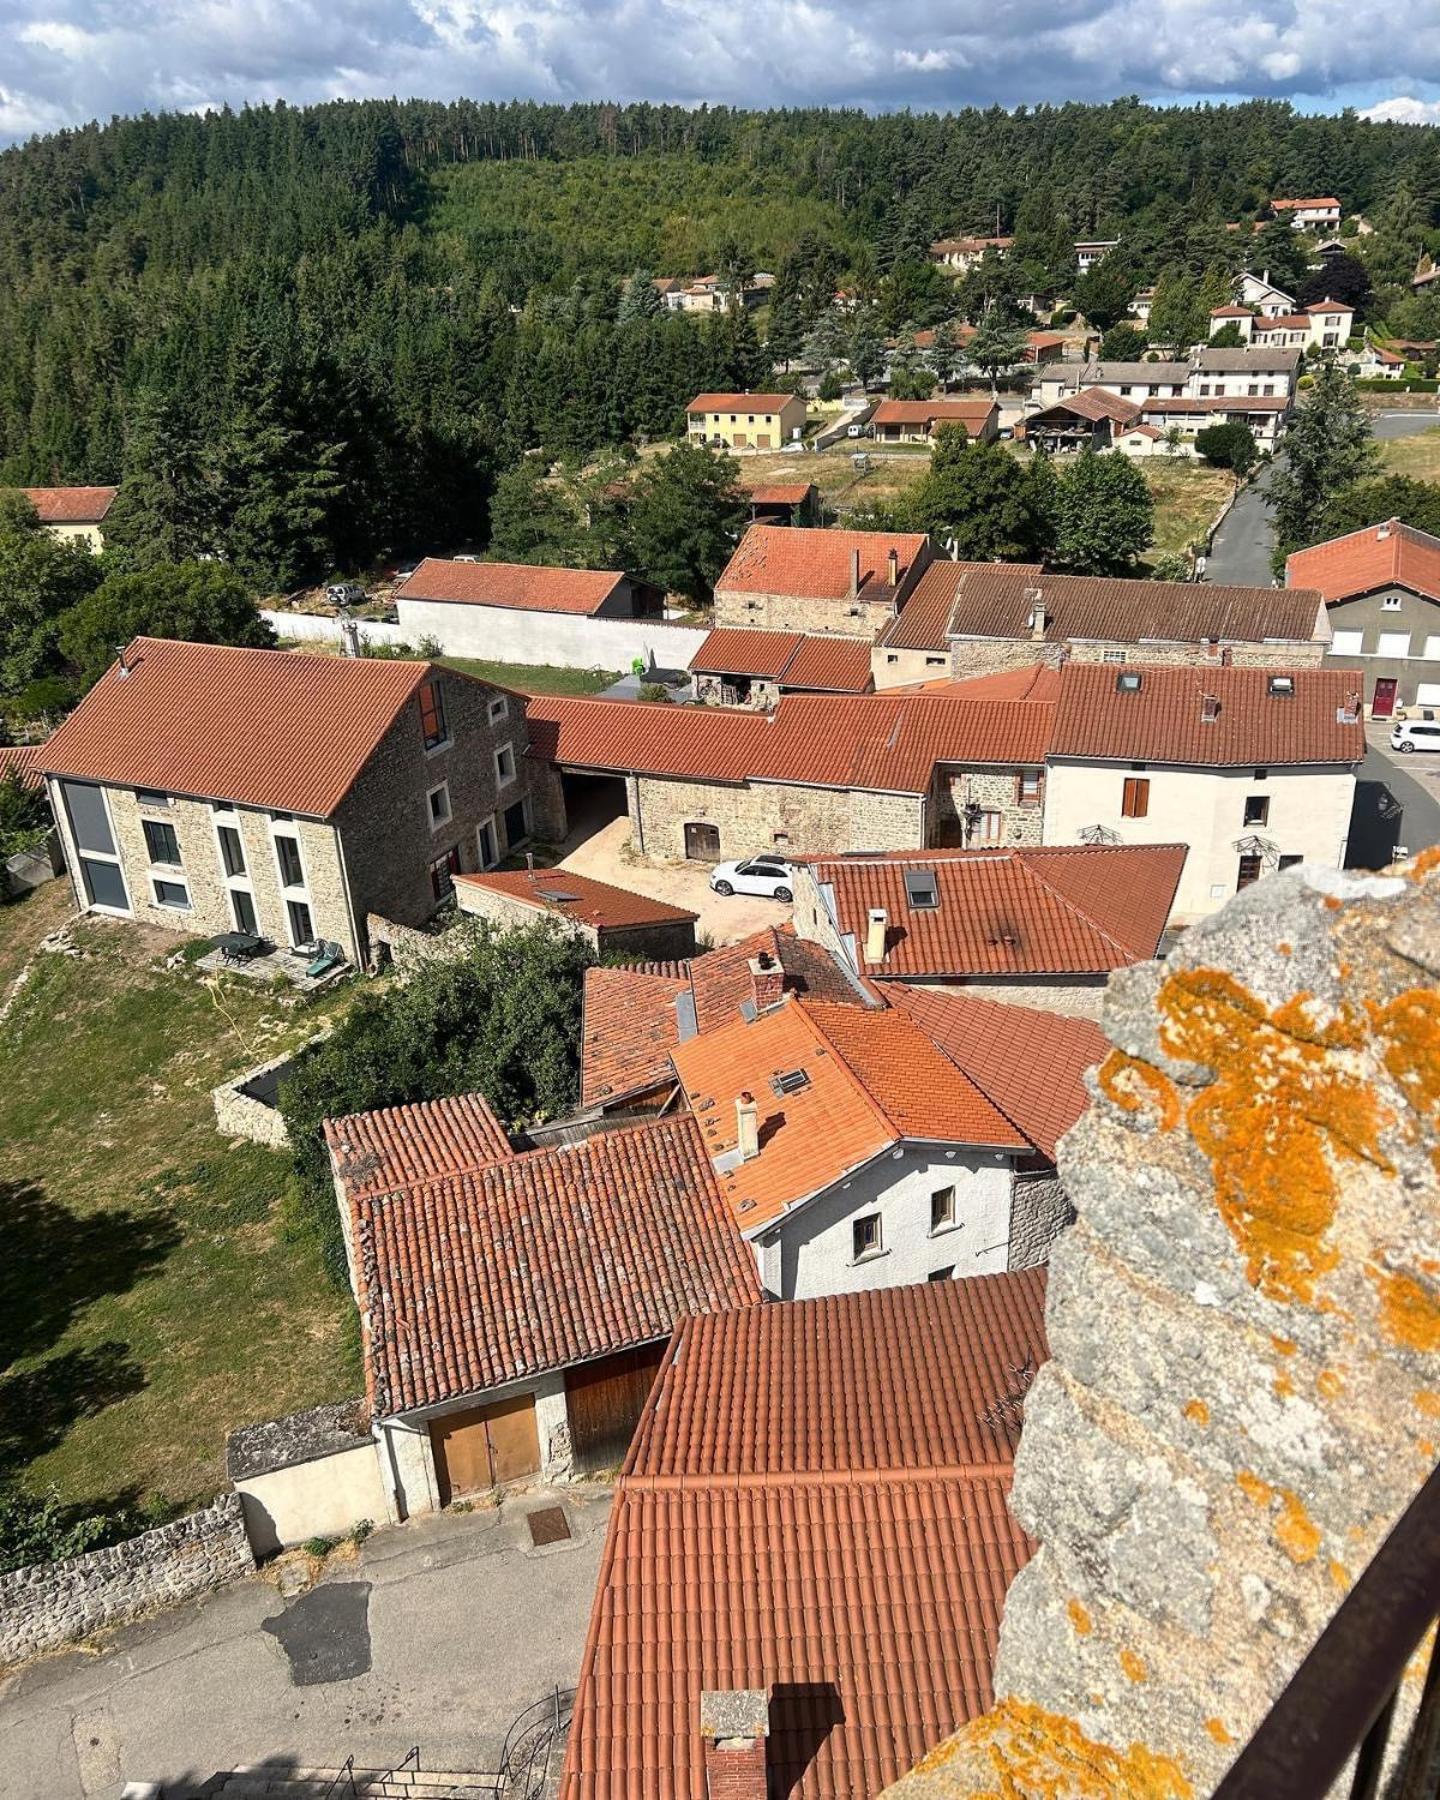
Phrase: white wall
(323, 1498)
(563, 640)
(812, 1252)
(1205, 808)
(317, 628)
(408, 1461)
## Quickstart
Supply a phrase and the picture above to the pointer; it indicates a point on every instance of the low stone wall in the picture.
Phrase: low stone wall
(57, 1603)
(245, 1107)
(411, 949)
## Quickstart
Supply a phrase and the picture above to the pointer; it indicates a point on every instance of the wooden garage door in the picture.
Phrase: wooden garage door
(484, 1445)
(604, 1399)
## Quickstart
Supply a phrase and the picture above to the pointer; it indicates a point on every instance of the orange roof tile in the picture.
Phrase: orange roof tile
(830, 665)
(71, 505)
(1166, 720)
(974, 413)
(1382, 555)
(628, 1028)
(782, 493)
(542, 1260)
(814, 563)
(739, 403)
(23, 760)
(267, 728)
(923, 623)
(1057, 910)
(1031, 1064)
(568, 895)
(814, 1503)
(532, 587)
(731, 650)
(377, 1152)
(1326, 200)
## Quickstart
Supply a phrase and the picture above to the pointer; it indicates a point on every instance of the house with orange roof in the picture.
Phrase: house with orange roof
(735, 667)
(847, 582)
(745, 421)
(73, 514)
(1313, 213)
(785, 503)
(613, 921)
(915, 421)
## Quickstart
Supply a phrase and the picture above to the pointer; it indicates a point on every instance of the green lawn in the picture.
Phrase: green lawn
(150, 1297)
(1417, 456)
(1187, 497)
(535, 678)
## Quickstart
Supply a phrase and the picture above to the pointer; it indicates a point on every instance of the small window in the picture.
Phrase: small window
(161, 843)
(287, 853)
(933, 662)
(302, 930)
(1114, 656)
(173, 894)
(151, 797)
(443, 871)
(945, 1274)
(505, 765)
(865, 1236)
(942, 1208)
(1129, 682)
(438, 803)
(1028, 787)
(1257, 809)
(432, 715)
(1394, 643)
(498, 709)
(1262, 774)
(485, 843)
(1281, 687)
(1135, 801)
(921, 890)
(790, 1081)
(232, 850)
(243, 907)
(891, 658)
(1347, 643)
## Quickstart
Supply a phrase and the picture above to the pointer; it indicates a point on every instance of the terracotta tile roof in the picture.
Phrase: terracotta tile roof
(782, 493)
(71, 505)
(1031, 1064)
(377, 1152)
(1033, 681)
(813, 1505)
(568, 895)
(739, 403)
(1383, 555)
(974, 413)
(1092, 403)
(830, 665)
(1326, 200)
(540, 1261)
(1057, 910)
(531, 587)
(814, 563)
(971, 245)
(268, 728)
(1164, 721)
(923, 623)
(764, 655)
(871, 1079)
(1230, 312)
(23, 760)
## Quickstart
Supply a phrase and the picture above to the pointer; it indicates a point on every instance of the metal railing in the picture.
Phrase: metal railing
(1341, 1701)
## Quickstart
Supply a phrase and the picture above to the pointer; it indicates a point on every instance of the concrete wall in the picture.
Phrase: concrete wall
(320, 628)
(408, 1464)
(768, 815)
(324, 1498)
(1205, 808)
(812, 1253)
(57, 1603)
(900, 668)
(563, 640)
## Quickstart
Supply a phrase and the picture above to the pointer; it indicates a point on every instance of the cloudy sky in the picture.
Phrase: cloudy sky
(65, 61)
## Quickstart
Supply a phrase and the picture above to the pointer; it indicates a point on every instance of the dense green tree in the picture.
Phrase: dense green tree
(1103, 294)
(41, 578)
(640, 298)
(206, 603)
(996, 346)
(1369, 503)
(1329, 447)
(980, 501)
(1228, 337)
(1105, 515)
(534, 518)
(864, 348)
(829, 338)
(1229, 446)
(168, 508)
(915, 294)
(1123, 343)
(685, 517)
(910, 378)
(1342, 278)
(24, 822)
(1278, 252)
(944, 353)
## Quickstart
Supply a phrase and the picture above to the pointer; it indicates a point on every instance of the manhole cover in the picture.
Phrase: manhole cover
(548, 1525)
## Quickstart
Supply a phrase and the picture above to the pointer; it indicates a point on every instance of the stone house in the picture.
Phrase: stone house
(529, 1350)
(1040, 927)
(793, 579)
(1381, 589)
(735, 667)
(613, 921)
(745, 421)
(73, 514)
(208, 789)
(1253, 768)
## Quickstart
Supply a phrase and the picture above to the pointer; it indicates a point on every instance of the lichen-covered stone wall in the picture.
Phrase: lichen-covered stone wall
(1245, 1326)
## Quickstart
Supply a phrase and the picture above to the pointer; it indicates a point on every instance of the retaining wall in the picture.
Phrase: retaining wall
(245, 1107)
(51, 1604)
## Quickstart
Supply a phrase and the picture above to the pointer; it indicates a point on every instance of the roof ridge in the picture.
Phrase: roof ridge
(908, 1473)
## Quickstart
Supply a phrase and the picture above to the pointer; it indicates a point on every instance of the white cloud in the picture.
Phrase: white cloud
(1405, 110)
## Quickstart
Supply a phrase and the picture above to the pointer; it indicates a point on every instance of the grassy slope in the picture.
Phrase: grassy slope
(1187, 497)
(535, 678)
(149, 1301)
(1417, 456)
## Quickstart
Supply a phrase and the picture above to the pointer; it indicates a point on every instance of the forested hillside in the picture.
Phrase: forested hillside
(344, 320)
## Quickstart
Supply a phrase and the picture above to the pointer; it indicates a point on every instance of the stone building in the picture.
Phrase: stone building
(614, 921)
(735, 667)
(73, 514)
(789, 578)
(208, 789)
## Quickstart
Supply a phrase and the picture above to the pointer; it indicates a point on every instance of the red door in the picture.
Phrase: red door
(1382, 700)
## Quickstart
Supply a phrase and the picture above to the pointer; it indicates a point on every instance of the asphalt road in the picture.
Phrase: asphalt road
(1397, 802)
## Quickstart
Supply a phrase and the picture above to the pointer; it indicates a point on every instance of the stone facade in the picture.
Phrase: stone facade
(662, 941)
(966, 659)
(1245, 1327)
(759, 816)
(754, 691)
(859, 618)
(1003, 817)
(1039, 1211)
(52, 1604)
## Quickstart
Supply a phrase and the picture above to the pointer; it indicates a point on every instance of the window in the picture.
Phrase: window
(1027, 789)
(1129, 682)
(1431, 651)
(1257, 809)
(935, 662)
(1262, 774)
(438, 803)
(287, 854)
(1394, 643)
(232, 850)
(920, 890)
(89, 817)
(1349, 643)
(151, 797)
(1249, 871)
(945, 1274)
(942, 1208)
(302, 931)
(988, 828)
(432, 715)
(890, 657)
(498, 709)
(1114, 656)
(172, 893)
(1281, 687)
(505, 765)
(1289, 862)
(443, 871)
(865, 1236)
(485, 843)
(790, 1081)
(161, 843)
(516, 829)
(1135, 800)
(1391, 603)
(243, 907)
(104, 884)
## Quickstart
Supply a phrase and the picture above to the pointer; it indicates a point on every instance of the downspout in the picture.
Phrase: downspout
(362, 948)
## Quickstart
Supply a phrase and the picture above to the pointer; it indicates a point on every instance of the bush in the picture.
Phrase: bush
(831, 387)
(43, 1529)
(1377, 384)
(655, 691)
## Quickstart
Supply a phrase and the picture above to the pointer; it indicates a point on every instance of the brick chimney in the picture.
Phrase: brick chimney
(893, 568)
(854, 574)
(767, 981)
(876, 920)
(734, 1724)
(747, 1126)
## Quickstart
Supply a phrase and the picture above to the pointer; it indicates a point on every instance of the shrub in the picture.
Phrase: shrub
(654, 690)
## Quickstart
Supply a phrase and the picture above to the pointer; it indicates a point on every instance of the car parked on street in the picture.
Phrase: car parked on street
(1415, 734)
(771, 877)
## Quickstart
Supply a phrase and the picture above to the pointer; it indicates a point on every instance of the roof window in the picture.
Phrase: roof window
(1281, 687)
(921, 890)
(791, 1081)
(1128, 681)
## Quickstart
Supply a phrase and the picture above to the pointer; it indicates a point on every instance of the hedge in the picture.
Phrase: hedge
(1377, 384)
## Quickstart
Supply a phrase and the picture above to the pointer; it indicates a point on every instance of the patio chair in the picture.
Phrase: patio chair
(330, 956)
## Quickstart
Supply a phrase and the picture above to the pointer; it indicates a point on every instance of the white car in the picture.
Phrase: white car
(769, 876)
(1411, 735)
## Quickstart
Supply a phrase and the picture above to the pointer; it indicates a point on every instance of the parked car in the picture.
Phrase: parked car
(1415, 734)
(769, 876)
(345, 593)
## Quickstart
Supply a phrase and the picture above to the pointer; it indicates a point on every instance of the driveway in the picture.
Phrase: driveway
(607, 856)
(437, 1633)
(1397, 801)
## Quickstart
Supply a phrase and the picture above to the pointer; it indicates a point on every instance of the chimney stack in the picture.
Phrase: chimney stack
(875, 924)
(767, 981)
(893, 568)
(1036, 620)
(747, 1126)
(734, 1724)
(854, 574)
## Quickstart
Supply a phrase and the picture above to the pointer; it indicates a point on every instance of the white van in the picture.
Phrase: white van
(1415, 734)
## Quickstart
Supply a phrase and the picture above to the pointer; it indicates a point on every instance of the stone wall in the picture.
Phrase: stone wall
(803, 612)
(1039, 1211)
(994, 791)
(57, 1603)
(245, 1106)
(770, 815)
(1245, 1327)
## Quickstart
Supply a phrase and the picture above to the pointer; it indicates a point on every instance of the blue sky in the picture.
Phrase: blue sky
(65, 61)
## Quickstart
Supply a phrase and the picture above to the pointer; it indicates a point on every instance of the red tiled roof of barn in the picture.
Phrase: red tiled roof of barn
(1382, 555)
(377, 1152)
(815, 563)
(831, 665)
(569, 895)
(526, 586)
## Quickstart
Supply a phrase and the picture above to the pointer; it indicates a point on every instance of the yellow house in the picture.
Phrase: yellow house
(745, 421)
(72, 512)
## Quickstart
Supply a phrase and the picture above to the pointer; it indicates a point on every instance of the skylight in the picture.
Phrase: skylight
(921, 890)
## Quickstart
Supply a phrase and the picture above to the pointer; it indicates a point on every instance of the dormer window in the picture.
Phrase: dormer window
(1281, 687)
(1128, 681)
(921, 891)
(432, 715)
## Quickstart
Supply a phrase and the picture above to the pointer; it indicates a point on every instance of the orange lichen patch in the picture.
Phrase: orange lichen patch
(1134, 1085)
(1408, 1028)
(1284, 948)
(1295, 1531)
(1409, 1309)
(1216, 1728)
(1330, 1384)
(1284, 1387)
(1426, 1448)
(1020, 1752)
(1421, 865)
(1080, 1619)
(1285, 1346)
(1428, 1402)
(1134, 1666)
(1197, 1412)
(1339, 1574)
(1280, 1115)
(1254, 1488)
(1331, 903)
